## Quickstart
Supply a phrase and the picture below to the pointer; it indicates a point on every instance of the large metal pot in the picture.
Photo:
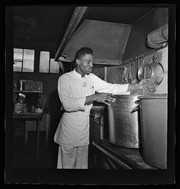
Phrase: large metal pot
(123, 121)
(153, 119)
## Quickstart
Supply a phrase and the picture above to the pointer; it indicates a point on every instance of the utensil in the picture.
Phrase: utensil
(157, 71)
(130, 73)
(145, 71)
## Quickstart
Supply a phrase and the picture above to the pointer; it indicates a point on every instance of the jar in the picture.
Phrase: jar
(18, 107)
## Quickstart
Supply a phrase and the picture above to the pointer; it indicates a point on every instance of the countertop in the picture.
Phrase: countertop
(129, 158)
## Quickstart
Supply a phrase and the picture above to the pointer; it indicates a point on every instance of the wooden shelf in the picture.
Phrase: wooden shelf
(24, 91)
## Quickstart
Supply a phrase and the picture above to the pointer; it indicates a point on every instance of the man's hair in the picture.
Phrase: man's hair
(82, 51)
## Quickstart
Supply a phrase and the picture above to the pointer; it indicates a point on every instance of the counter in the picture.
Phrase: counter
(115, 157)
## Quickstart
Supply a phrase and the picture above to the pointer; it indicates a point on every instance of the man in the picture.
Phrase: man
(76, 91)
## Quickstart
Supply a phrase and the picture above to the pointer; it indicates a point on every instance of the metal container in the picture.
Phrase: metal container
(156, 38)
(153, 70)
(153, 117)
(123, 121)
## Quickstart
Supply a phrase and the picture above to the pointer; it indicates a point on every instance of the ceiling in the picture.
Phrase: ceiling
(48, 24)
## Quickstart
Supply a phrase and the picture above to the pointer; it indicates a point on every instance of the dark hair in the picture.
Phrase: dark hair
(82, 51)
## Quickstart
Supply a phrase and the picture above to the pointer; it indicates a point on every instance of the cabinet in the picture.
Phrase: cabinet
(32, 103)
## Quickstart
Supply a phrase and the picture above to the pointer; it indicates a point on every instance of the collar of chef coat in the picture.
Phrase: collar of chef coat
(78, 75)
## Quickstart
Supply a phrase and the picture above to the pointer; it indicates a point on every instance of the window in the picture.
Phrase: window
(44, 61)
(23, 60)
(18, 59)
(47, 64)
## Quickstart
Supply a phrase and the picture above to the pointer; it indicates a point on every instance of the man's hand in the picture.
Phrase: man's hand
(100, 97)
(142, 83)
(104, 98)
(137, 86)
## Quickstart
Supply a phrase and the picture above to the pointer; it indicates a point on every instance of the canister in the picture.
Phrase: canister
(153, 119)
(123, 121)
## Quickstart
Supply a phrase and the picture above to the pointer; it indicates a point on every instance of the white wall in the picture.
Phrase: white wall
(163, 87)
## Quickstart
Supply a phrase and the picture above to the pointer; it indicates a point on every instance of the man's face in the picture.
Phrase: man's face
(85, 64)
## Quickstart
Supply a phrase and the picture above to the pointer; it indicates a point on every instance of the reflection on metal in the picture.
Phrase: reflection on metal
(123, 121)
(75, 19)
(158, 37)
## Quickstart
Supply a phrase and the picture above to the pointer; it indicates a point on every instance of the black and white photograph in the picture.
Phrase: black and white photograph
(90, 94)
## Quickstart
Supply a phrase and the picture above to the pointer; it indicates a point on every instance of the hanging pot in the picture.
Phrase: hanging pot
(153, 71)
(125, 76)
(157, 72)
(145, 71)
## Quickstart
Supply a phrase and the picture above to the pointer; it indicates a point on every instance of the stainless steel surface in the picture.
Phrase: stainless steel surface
(107, 39)
(123, 122)
(153, 71)
(157, 73)
(97, 111)
(153, 117)
(145, 72)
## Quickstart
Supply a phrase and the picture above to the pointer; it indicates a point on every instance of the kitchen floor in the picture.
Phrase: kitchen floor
(24, 155)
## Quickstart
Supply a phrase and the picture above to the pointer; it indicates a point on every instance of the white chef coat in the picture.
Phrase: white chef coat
(73, 128)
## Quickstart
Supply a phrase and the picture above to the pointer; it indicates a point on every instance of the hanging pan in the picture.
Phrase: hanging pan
(145, 70)
(153, 71)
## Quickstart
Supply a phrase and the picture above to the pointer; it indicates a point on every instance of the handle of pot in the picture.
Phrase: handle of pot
(152, 88)
(136, 107)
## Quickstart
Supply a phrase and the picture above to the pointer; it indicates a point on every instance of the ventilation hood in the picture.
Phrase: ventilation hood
(108, 41)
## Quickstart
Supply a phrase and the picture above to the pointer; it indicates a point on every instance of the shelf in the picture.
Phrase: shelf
(24, 91)
(27, 115)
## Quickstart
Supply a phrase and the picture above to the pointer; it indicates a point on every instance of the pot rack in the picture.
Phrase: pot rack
(129, 62)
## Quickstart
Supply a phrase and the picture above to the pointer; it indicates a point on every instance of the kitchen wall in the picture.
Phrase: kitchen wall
(136, 46)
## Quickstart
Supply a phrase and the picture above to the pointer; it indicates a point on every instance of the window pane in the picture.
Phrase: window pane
(54, 66)
(17, 66)
(44, 61)
(28, 60)
(18, 54)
